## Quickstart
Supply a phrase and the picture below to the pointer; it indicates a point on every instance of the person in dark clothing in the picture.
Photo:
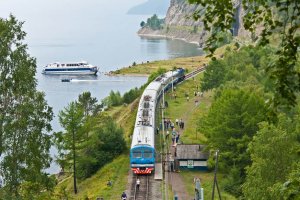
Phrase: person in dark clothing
(166, 104)
(123, 196)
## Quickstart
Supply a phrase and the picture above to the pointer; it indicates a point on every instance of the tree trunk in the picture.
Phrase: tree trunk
(74, 163)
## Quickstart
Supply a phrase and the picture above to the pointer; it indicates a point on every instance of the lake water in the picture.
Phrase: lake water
(97, 31)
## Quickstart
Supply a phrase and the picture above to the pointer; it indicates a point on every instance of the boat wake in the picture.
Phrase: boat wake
(78, 80)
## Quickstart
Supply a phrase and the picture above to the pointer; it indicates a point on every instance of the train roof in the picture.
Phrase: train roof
(151, 93)
(143, 135)
(154, 85)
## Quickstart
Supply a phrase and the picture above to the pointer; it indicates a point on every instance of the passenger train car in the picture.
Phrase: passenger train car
(142, 152)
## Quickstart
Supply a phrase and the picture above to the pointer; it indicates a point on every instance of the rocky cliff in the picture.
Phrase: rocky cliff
(179, 23)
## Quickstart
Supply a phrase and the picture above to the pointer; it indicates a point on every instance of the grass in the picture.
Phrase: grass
(96, 186)
(125, 116)
(206, 180)
(190, 113)
(190, 64)
(187, 110)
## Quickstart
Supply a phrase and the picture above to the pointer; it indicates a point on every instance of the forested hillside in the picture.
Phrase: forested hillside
(258, 148)
(254, 118)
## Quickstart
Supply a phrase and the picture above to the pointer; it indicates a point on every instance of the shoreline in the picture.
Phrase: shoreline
(112, 73)
(149, 35)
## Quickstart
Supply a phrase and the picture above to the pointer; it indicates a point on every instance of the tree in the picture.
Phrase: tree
(106, 142)
(90, 109)
(241, 66)
(154, 75)
(89, 104)
(24, 116)
(229, 126)
(290, 189)
(130, 96)
(114, 99)
(142, 24)
(273, 154)
(277, 18)
(214, 75)
(71, 119)
(154, 22)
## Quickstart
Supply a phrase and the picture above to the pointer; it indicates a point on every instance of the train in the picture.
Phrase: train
(142, 151)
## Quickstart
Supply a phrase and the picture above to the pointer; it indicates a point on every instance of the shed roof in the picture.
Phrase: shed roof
(191, 151)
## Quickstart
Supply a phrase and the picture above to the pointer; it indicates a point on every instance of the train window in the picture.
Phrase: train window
(145, 113)
(146, 104)
(147, 154)
(136, 154)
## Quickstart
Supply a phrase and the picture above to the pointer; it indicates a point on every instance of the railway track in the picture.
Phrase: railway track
(144, 191)
(194, 73)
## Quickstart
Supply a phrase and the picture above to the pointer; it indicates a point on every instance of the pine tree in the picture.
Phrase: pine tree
(71, 119)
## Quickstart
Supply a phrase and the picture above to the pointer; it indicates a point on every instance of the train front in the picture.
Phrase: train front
(142, 152)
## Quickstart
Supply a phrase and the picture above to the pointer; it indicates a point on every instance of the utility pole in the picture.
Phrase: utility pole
(215, 179)
(172, 83)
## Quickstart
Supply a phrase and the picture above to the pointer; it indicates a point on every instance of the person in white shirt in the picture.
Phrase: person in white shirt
(138, 182)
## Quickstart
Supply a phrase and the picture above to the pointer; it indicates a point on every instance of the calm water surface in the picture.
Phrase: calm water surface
(98, 31)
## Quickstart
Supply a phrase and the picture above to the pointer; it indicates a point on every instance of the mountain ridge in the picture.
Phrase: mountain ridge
(150, 7)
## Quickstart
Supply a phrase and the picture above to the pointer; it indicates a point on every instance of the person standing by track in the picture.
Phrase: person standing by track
(138, 182)
(124, 196)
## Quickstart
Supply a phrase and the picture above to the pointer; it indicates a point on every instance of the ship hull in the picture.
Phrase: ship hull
(66, 71)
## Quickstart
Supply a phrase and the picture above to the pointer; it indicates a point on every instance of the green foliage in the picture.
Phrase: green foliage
(214, 75)
(71, 119)
(195, 29)
(280, 18)
(244, 66)
(24, 116)
(154, 75)
(290, 189)
(89, 104)
(154, 22)
(89, 142)
(230, 125)
(223, 38)
(103, 146)
(114, 99)
(31, 190)
(130, 96)
(273, 154)
(63, 193)
(142, 24)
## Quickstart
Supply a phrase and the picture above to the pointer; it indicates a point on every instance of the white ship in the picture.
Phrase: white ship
(79, 68)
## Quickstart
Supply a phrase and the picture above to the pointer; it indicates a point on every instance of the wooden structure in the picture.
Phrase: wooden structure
(191, 156)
